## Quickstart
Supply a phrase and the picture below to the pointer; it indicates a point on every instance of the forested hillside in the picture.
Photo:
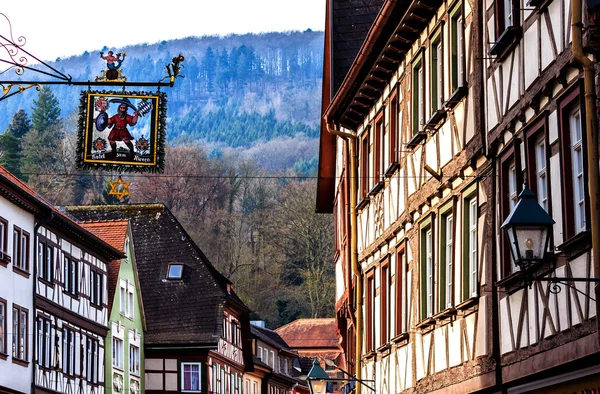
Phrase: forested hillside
(238, 91)
(241, 150)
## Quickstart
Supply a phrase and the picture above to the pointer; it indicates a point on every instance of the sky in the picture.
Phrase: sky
(62, 28)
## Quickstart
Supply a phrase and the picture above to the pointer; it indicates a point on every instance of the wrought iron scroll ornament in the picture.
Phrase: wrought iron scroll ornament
(17, 59)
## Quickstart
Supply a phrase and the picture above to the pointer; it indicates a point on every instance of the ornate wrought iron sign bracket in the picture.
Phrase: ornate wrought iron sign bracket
(17, 58)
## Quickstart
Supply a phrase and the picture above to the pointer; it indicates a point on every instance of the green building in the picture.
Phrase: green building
(124, 349)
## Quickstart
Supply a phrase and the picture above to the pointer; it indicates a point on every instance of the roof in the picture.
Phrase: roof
(113, 232)
(19, 193)
(178, 312)
(310, 333)
(270, 337)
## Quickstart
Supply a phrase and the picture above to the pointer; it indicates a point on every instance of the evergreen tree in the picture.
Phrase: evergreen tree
(10, 143)
(46, 111)
(209, 66)
(20, 124)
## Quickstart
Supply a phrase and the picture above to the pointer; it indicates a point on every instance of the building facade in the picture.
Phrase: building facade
(447, 109)
(124, 354)
(17, 223)
(197, 329)
(537, 131)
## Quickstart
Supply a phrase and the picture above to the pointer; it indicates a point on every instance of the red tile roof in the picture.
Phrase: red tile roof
(112, 232)
(315, 334)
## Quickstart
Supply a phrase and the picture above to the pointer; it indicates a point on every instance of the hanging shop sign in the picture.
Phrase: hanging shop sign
(122, 130)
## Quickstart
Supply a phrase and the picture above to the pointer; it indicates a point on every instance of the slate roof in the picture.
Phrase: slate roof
(270, 337)
(114, 232)
(310, 333)
(351, 23)
(182, 312)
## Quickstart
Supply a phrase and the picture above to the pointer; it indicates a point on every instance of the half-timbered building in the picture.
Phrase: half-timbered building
(538, 124)
(403, 139)
(63, 351)
(198, 330)
(124, 351)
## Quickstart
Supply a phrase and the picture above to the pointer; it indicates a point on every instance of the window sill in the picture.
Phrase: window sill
(46, 282)
(376, 189)
(20, 362)
(370, 355)
(72, 295)
(578, 243)
(96, 306)
(4, 259)
(3, 356)
(21, 272)
(539, 5)
(436, 119)
(467, 306)
(456, 97)
(391, 169)
(362, 203)
(446, 314)
(384, 349)
(416, 139)
(427, 324)
(506, 42)
(512, 282)
(401, 339)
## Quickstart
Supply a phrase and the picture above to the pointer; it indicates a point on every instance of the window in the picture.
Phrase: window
(20, 333)
(427, 270)
(378, 142)
(457, 74)
(20, 249)
(134, 360)
(418, 95)
(507, 15)
(470, 260)
(44, 342)
(370, 316)
(126, 299)
(70, 275)
(190, 376)
(92, 359)
(541, 176)
(577, 161)
(272, 359)
(175, 271)
(393, 133)
(573, 164)
(436, 73)
(400, 291)
(265, 356)
(446, 258)
(117, 353)
(4, 257)
(259, 352)
(68, 349)
(364, 165)
(235, 334)
(45, 261)
(510, 178)
(3, 349)
(96, 288)
(383, 302)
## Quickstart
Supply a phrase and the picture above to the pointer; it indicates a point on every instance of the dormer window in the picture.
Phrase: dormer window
(175, 271)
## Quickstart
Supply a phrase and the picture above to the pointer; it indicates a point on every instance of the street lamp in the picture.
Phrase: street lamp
(318, 379)
(528, 229)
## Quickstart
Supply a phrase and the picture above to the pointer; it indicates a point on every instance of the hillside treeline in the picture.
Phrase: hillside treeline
(257, 227)
(264, 85)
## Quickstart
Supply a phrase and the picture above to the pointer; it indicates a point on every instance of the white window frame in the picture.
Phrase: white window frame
(577, 163)
(541, 173)
(192, 374)
(134, 360)
(117, 353)
(472, 245)
(448, 245)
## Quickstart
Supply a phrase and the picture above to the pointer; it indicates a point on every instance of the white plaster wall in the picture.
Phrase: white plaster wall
(16, 289)
(531, 47)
